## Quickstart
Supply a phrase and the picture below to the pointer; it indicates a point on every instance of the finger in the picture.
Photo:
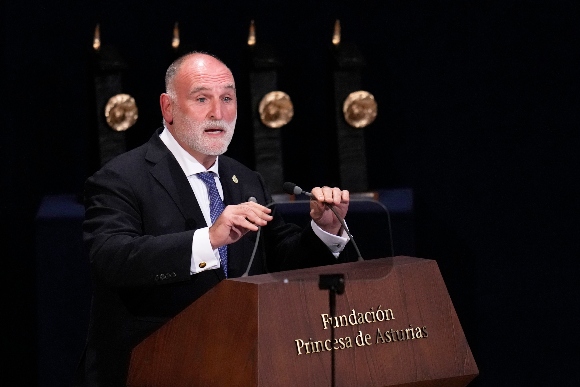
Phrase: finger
(257, 207)
(250, 210)
(328, 194)
(336, 195)
(317, 209)
(237, 232)
(251, 214)
(254, 219)
(254, 214)
(322, 194)
(317, 194)
(315, 212)
(241, 221)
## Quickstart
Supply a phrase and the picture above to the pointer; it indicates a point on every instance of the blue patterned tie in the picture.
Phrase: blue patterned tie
(216, 207)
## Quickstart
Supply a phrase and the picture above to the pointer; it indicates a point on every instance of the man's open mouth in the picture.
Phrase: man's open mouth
(214, 130)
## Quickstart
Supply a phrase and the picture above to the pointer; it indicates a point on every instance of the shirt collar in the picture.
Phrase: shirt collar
(187, 162)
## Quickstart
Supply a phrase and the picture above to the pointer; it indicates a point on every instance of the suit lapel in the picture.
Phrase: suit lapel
(166, 170)
(230, 184)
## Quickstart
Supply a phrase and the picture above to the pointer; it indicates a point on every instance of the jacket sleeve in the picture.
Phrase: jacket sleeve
(121, 253)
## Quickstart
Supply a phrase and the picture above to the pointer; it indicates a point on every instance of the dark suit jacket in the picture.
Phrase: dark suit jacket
(141, 214)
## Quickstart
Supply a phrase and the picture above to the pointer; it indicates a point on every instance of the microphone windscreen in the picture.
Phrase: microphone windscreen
(289, 188)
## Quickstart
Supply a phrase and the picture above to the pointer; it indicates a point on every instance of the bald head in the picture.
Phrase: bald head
(198, 57)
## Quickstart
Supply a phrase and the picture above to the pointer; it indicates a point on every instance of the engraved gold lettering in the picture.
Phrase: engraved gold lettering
(327, 345)
(380, 337)
(352, 318)
(418, 333)
(356, 318)
(400, 334)
(359, 339)
(348, 342)
(317, 346)
(366, 317)
(299, 346)
(392, 335)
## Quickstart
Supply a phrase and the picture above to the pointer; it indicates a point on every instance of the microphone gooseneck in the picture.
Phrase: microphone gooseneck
(247, 272)
(293, 189)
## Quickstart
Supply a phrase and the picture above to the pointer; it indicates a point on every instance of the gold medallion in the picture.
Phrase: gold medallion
(121, 112)
(359, 109)
(276, 109)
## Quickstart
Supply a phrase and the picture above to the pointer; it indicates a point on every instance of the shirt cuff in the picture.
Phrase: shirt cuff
(203, 257)
(335, 243)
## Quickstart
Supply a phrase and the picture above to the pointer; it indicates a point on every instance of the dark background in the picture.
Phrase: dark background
(478, 111)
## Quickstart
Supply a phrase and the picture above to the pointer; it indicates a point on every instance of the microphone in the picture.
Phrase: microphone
(293, 189)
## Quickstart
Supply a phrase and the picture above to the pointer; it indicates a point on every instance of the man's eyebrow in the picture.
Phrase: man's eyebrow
(199, 88)
(204, 88)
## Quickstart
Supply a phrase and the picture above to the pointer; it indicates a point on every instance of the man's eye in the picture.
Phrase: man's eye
(228, 99)
(201, 99)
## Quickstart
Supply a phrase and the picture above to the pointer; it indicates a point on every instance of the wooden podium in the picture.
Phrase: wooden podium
(395, 326)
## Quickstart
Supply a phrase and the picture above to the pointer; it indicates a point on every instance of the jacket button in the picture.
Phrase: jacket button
(202, 265)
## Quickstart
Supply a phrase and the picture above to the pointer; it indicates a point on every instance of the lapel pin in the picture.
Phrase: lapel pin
(235, 179)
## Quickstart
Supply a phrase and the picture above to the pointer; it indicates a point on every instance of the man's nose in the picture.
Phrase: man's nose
(215, 112)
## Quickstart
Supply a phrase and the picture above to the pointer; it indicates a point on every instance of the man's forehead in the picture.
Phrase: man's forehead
(206, 71)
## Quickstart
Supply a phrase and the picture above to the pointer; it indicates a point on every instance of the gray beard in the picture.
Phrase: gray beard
(195, 139)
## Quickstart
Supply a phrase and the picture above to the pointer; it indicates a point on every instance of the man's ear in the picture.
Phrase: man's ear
(166, 108)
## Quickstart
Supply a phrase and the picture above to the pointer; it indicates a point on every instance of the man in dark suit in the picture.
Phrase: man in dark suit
(155, 237)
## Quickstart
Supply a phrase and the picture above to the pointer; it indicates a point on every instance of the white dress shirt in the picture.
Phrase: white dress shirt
(201, 251)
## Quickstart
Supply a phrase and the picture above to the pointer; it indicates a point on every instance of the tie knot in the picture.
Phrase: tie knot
(207, 178)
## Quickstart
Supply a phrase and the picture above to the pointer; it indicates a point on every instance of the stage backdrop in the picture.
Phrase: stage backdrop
(477, 114)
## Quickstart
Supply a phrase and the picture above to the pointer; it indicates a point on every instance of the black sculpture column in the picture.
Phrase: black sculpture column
(271, 109)
(115, 111)
(353, 110)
